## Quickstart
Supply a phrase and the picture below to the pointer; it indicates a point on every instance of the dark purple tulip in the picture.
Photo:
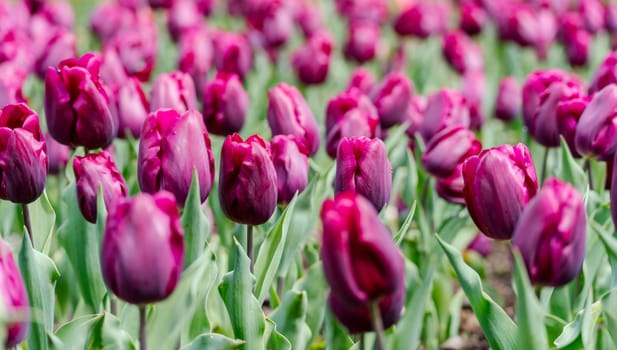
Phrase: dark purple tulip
(444, 108)
(362, 166)
(52, 46)
(58, 155)
(274, 27)
(311, 61)
(592, 12)
(451, 188)
(12, 79)
(360, 261)
(391, 98)
(576, 39)
(225, 104)
(551, 233)
(480, 244)
(362, 41)
(449, 148)
(130, 107)
(422, 19)
(363, 80)
(161, 4)
(14, 298)
(291, 165)
(182, 16)
(610, 17)
(23, 154)
(509, 99)
(142, 253)
(137, 49)
(289, 114)
(473, 89)
(472, 18)
(605, 74)
(568, 114)
(173, 90)
(373, 11)
(195, 55)
(232, 53)
(76, 104)
(173, 146)
(462, 53)
(498, 184)
(596, 132)
(247, 180)
(94, 170)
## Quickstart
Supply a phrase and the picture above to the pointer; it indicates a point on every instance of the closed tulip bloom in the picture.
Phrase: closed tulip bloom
(391, 98)
(568, 115)
(596, 132)
(362, 41)
(94, 170)
(274, 27)
(362, 166)
(76, 104)
(247, 180)
(182, 16)
(58, 155)
(173, 146)
(12, 79)
(443, 109)
(56, 46)
(308, 18)
(311, 62)
(173, 90)
(509, 99)
(592, 12)
(110, 17)
(130, 107)
(415, 116)
(422, 19)
(232, 53)
(605, 74)
(225, 104)
(14, 298)
(162, 4)
(480, 244)
(142, 253)
(577, 48)
(23, 155)
(137, 48)
(195, 55)
(551, 233)
(449, 148)
(473, 89)
(112, 72)
(610, 17)
(291, 165)
(472, 18)
(289, 114)
(462, 53)
(499, 182)
(363, 80)
(451, 188)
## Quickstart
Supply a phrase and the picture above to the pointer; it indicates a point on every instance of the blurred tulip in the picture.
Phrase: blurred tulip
(53, 46)
(568, 115)
(498, 184)
(291, 165)
(362, 166)
(449, 148)
(142, 253)
(110, 17)
(173, 90)
(225, 104)
(14, 299)
(362, 41)
(289, 114)
(444, 108)
(369, 11)
(576, 39)
(311, 61)
(94, 170)
(12, 78)
(183, 15)
(592, 12)
(58, 155)
(521, 23)
(309, 18)
(472, 18)
(509, 99)
(391, 98)
(422, 19)
(137, 49)
(596, 132)
(462, 53)
(247, 180)
(164, 4)
(173, 146)
(112, 72)
(551, 233)
(59, 13)
(362, 79)
(76, 104)
(130, 107)
(274, 28)
(610, 17)
(415, 116)
(23, 154)
(473, 89)
(232, 53)
(480, 244)
(451, 188)
(605, 74)
(195, 55)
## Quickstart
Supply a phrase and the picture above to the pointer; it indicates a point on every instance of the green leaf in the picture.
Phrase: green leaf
(335, 334)
(99, 331)
(313, 283)
(213, 341)
(570, 170)
(74, 334)
(498, 327)
(402, 232)
(276, 341)
(247, 318)
(609, 311)
(195, 223)
(577, 331)
(290, 318)
(43, 220)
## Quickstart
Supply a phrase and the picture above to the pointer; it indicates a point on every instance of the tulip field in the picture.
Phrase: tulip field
(308, 174)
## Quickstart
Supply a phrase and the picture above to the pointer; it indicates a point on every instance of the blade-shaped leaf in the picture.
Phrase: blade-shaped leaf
(290, 318)
(43, 220)
(195, 223)
(213, 341)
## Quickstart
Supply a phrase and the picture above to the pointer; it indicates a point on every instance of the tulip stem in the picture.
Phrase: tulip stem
(377, 326)
(26, 214)
(362, 341)
(142, 327)
(113, 305)
(587, 167)
(249, 245)
(544, 164)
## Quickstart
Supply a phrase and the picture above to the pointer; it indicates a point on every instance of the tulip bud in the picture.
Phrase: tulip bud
(291, 165)
(182, 16)
(444, 108)
(289, 114)
(462, 53)
(473, 89)
(12, 79)
(550, 234)
(451, 188)
(498, 184)
(472, 18)
(508, 103)
(247, 180)
(225, 104)
(361, 263)
(130, 107)
(577, 48)
(57, 44)
(173, 146)
(137, 49)
(58, 13)
(173, 90)
(110, 17)
(391, 98)
(94, 170)
(14, 298)
(415, 117)
(232, 53)
(273, 27)
(57, 153)
(162, 4)
(195, 55)
(362, 79)
(596, 132)
(23, 154)
(311, 61)
(449, 148)
(362, 42)
(142, 253)
(605, 74)
(422, 19)
(362, 166)
(309, 18)
(592, 12)
(76, 104)
(112, 72)
(610, 17)
(568, 115)
(480, 244)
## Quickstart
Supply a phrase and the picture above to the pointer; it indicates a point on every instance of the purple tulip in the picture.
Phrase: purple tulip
(94, 170)
(111, 17)
(137, 49)
(576, 39)
(391, 98)
(592, 12)
(462, 53)
(232, 53)
(173, 90)
(289, 114)
(14, 298)
(422, 19)
(58, 155)
(76, 104)
(311, 61)
(509, 99)
(112, 72)
(173, 146)
(362, 41)
(182, 16)
(130, 107)
(142, 253)
(12, 78)
(472, 18)
(443, 109)
(162, 4)
(605, 74)
(247, 180)
(551, 233)
(568, 115)
(291, 165)
(373, 11)
(362, 166)
(58, 13)
(498, 184)
(473, 89)
(363, 80)
(449, 148)
(415, 116)
(451, 188)
(225, 104)
(52, 45)
(360, 261)
(596, 132)
(309, 19)
(195, 55)
(610, 17)
(273, 27)
(480, 244)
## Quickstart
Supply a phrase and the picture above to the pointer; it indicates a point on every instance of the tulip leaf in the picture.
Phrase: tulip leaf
(314, 284)
(609, 312)
(276, 341)
(43, 219)
(40, 274)
(270, 252)
(99, 331)
(570, 170)
(402, 232)
(498, 327)
(74, 334)
(575, 332)
(247, 318)
(335, 335)
(173, 315)
(290, 318)
(529, 312)
(195, 223)
(213, 341)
